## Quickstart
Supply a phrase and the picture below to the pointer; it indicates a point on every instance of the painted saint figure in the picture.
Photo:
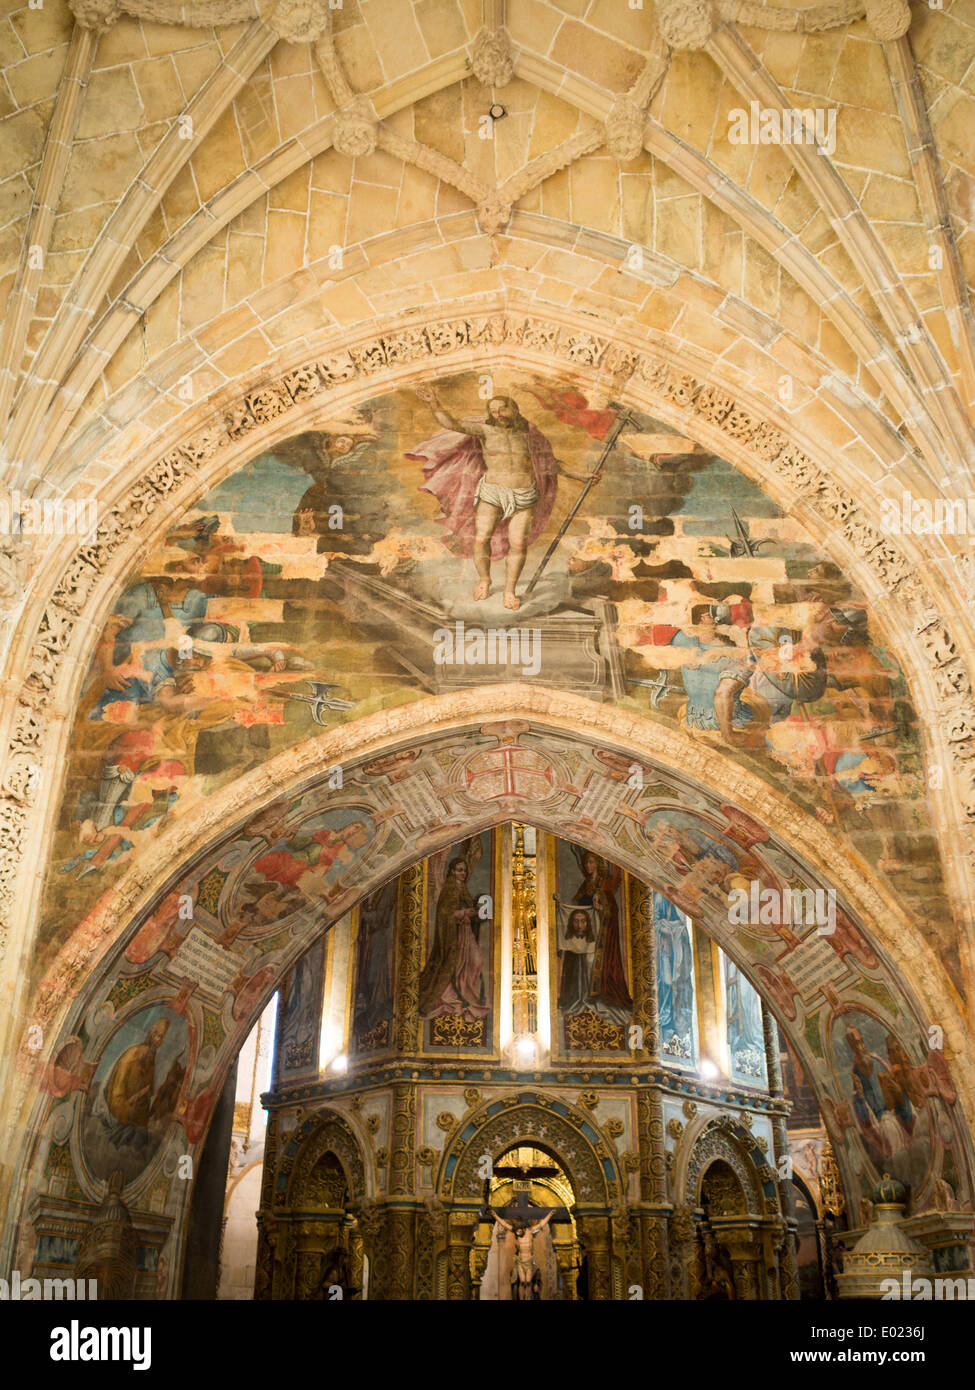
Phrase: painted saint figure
(609, 993)
(495, 479)
(675, 978)
(129, 1090)
(577, 946)
(453, 979)
(374, 975)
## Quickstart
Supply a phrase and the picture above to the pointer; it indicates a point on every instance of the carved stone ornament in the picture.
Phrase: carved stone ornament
(493, 214)
(685, 23)
(625, 125)
(96, 14)
(492, 60)
(355, 128)
(300, 21)
(888, 19)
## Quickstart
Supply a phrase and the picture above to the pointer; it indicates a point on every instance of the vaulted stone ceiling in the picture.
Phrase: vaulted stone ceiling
(224, 219)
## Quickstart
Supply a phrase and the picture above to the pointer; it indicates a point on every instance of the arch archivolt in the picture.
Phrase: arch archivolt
(533, 1119)
(724, 1138)
(416, 740)
(325, 1132)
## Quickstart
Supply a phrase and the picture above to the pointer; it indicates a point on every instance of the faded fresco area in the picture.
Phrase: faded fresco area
(368, 564)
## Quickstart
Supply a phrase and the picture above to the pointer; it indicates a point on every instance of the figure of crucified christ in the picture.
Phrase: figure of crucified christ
(507, 471)
(524, 1268)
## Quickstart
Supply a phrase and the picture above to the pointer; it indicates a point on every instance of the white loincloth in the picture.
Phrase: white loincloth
(507, 499)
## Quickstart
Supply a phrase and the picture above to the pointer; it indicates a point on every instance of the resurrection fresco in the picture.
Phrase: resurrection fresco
(344, 571)
(125, 1094)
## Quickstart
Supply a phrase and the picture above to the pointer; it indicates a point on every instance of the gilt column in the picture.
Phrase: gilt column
(460, 1238)
(644, 969)
(788, 1254)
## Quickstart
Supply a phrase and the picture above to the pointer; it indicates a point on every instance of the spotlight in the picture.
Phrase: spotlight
(340, 1063)
(708, 1070)
(525, 1049)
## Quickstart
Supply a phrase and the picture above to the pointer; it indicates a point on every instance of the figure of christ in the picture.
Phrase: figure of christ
(495, 484)
(524, 1269)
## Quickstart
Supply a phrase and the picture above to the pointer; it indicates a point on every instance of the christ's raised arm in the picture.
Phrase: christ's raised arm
(544, 1222)
(443, 416)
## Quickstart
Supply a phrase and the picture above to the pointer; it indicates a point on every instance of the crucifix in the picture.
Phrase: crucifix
(518, 1223)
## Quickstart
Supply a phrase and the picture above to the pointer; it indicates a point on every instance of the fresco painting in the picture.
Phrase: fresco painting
(895, 1099)
(251, 921)
(136, 1087)
(307, 588)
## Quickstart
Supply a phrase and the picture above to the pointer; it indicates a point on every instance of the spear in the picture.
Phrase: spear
(608, 447)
